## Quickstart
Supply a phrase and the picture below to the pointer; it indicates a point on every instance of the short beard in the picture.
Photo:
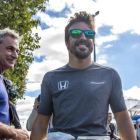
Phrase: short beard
(80, 54)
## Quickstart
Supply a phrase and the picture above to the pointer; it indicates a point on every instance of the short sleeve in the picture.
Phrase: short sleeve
(45, 104)
(116, 100)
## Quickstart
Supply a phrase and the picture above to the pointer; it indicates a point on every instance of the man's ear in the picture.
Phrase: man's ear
(66, 42)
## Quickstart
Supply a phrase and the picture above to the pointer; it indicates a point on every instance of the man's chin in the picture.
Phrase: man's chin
(10, 66)
(80, 56)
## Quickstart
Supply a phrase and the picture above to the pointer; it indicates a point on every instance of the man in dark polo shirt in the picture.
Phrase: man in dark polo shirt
(79, 93)
(9, 48)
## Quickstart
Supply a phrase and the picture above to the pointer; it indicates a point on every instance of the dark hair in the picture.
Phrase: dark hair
(81, 16)
(38, 98)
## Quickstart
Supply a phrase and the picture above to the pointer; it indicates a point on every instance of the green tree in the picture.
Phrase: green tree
(18, 15)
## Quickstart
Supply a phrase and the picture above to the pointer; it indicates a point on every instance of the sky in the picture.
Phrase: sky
(117, 44)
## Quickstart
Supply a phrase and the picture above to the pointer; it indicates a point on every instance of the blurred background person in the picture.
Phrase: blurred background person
(33, 115)
(111, 128)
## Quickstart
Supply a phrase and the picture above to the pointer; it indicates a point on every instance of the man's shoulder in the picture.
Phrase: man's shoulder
(105, 68)
(56, 71)
(60, 69)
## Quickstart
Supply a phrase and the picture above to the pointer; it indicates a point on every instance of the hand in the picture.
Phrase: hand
(21, 135)
(36, 104)
(118, 139)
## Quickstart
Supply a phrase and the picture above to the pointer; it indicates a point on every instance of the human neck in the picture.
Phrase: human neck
(80, 63)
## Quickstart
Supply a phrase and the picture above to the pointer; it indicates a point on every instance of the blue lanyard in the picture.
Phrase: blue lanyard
(0, 72)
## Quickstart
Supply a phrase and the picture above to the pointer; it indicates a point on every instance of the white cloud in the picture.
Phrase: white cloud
(24, 108)
(52, 21)
(122, 15)
(37, 70)
(53, 48)
(56, 5)
(73, 5)
(133, 92)
(32, 87)
(97, 49)
(101, 39)
(102, 59)
(52, 43)
(108, 46)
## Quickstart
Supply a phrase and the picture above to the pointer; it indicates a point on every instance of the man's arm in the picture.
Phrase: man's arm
(40, 127)
(11, 133)
(125, 125)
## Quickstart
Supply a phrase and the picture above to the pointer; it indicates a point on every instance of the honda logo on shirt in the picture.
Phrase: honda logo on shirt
(63, 85)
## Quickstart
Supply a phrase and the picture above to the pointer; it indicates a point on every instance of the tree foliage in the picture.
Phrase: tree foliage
(18, 15)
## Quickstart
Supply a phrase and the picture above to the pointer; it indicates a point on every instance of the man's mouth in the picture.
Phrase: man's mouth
(82, 43)
(82, 46)
(11, 61)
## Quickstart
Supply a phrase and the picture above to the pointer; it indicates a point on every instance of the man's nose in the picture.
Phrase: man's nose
(15, 54)
(83, 36)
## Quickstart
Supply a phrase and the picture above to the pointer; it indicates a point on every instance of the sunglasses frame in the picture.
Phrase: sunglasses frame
(83, 31)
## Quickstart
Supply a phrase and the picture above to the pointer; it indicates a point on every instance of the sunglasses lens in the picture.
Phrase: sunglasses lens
(89, 34)
(76, 33)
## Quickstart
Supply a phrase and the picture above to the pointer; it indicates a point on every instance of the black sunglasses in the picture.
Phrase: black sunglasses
(76, 33)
